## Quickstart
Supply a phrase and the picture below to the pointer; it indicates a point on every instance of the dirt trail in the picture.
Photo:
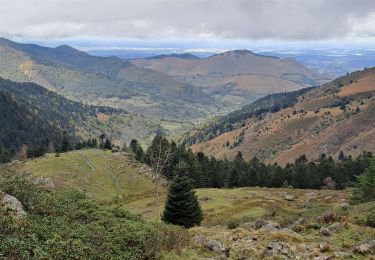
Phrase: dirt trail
(110, 173)
(92, 170)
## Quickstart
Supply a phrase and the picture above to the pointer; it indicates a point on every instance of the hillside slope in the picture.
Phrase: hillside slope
(102, 81)
(238, 76)
(112, 179)
(31, 114)
(243, 220)
(338, 116)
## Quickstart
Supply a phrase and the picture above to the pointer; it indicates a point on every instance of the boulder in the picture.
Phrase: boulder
(365, 247)
(12, 204)
(277, 248)
(266, 224)
(335, 226)
(325, 232)
(211, 244)
(289, 197)
(324, 247)
(298, 225)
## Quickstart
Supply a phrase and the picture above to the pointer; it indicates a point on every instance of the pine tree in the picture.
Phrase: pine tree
(364, 188)
(133, 145)
(65, 146)
(107, 144)
(182, 206)
(139, 154)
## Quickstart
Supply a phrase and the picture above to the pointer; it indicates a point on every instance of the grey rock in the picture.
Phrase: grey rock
(289, 197)
(325, 232)
(335, 226)
(212, 245)
(266, 224)
(277, 248)
(12, 204)
(365, 247)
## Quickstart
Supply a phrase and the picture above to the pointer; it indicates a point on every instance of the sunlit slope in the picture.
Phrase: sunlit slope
(338, 116)
(113, 179)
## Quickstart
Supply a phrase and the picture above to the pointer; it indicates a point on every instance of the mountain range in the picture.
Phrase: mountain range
(102, 81)
(236, 77)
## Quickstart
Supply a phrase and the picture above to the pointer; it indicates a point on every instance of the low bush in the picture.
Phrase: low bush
(329, 217)
(67, 225)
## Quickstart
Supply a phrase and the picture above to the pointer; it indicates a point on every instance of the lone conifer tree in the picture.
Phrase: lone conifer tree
(182, 207)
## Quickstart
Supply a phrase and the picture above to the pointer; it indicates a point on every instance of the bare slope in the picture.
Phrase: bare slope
(339, 116)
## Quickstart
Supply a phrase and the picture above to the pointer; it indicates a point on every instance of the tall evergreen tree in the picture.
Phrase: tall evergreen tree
(65, 146)
(182, 206)
(364, 188)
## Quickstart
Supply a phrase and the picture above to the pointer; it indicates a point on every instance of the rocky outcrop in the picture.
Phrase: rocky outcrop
(365, 247)
(13, 205)
(277, 248)
(212, 245)
(266, 224)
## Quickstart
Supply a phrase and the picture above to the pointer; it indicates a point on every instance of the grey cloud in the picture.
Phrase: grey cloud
(213, 19)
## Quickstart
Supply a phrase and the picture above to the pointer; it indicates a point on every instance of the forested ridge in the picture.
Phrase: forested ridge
(268, 104)
(32, 115)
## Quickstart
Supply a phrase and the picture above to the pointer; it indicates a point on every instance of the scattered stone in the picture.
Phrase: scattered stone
(45, 182)
(335, 226)
(298, 225)
(289, 197)
(365, 247)
(277, 248)
(324, 247)
(232, 197)
(13, 204)
(325, 232)
(204, 198)
(266, 224)
(344, 206)
(212, 245)
(312, 195)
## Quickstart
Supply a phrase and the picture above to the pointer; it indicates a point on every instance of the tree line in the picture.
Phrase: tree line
(205, 172)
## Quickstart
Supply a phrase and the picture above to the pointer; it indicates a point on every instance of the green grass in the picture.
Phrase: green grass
(112, 179)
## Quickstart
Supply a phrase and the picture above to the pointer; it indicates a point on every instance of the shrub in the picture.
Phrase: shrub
(233, 223)
(67, 225)
(329, 217)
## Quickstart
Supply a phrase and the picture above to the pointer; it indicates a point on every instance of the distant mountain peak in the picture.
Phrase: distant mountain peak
(237, 52)
(68, 49)
(187, 56)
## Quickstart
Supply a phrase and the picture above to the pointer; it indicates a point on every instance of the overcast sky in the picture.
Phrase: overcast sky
(281, 20)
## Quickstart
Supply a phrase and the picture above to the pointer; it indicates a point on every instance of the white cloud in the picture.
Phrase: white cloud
(202, 19)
